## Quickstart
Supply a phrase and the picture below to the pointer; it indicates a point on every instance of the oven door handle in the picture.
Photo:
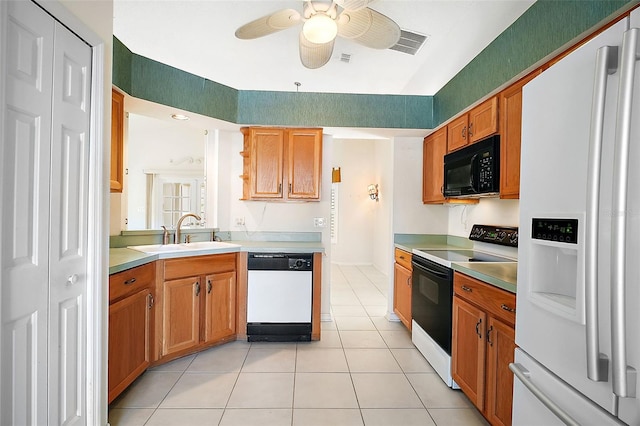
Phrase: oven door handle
(431, 271)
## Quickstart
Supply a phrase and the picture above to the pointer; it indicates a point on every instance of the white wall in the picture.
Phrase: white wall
(489, 211)
(356, 211)
(383, 214)
(410, 216)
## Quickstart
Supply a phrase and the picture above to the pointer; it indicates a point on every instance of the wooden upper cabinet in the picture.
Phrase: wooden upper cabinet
(457, 133)
(304, 161)
(483, 120)
(267, 159)
(434, 149)
(281, 163)
(117, 141)
(479, 123)
(511, 137)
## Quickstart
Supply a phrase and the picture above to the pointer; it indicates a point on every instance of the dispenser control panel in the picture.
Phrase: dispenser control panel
(560, 230)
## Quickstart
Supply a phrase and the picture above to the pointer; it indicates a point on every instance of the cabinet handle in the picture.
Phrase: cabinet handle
(130, 281)
(508, 308)
(150, 300)
(470, 127)
(409, 281)
(401, 257)
(289, 188)
(468, 290)
(279, 188)
(489, 336)
(197, 288)
(464, 133)
(478, 328)
(442, 189)
(208, 286)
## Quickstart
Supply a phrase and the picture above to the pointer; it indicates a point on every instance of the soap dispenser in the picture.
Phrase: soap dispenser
(165, 235)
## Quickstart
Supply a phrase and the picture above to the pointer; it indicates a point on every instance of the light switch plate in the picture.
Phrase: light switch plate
(319, 222)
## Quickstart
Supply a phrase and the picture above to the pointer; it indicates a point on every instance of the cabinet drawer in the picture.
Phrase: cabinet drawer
(500, 303)
(199, 265)
(131, 281)
(403, 258)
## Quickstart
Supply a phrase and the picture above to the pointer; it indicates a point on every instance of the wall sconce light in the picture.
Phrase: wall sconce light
(373, 191)
(335, 175)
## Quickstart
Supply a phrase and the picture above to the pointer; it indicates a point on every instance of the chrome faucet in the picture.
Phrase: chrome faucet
(179, 224)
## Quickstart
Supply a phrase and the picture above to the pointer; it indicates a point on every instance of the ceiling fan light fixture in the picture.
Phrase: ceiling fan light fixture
(320, 29)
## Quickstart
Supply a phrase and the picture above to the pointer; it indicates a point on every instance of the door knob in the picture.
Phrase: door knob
(72, 279)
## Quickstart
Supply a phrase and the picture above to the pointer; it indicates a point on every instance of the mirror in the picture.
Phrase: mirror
(166, 166)
(165, 172)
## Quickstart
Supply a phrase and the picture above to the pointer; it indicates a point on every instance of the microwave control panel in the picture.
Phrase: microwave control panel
(486, 171)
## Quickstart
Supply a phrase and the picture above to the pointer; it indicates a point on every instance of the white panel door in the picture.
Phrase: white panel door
(68, 235)
(27, 59)
(45, 81)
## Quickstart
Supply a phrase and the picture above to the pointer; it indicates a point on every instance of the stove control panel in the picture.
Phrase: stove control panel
(506, 236)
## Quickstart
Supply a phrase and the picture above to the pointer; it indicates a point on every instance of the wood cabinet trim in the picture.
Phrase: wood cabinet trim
(130, 281)
(116, 181)
(199, 265)
(498, 302)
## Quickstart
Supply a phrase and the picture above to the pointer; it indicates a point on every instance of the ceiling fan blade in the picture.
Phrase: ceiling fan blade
(314, 55)
(269, 24)
(369, 28)
(353, 4)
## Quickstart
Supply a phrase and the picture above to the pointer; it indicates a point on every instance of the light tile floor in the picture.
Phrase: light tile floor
(364, 371)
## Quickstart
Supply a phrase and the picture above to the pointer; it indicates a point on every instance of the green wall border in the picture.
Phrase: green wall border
(545, 27)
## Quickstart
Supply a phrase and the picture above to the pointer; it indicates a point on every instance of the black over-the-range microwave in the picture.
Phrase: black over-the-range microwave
(473, 171)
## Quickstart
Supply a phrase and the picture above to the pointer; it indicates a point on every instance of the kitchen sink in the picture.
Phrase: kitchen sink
(200, 247)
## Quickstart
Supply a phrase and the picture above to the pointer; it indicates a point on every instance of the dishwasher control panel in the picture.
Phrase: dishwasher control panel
(280, 262)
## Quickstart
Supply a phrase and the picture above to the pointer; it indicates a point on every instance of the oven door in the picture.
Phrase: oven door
(432, 300)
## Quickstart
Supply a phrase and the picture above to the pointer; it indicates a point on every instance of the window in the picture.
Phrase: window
(175, 196)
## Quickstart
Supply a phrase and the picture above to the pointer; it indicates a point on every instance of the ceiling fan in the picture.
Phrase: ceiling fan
(322, 22)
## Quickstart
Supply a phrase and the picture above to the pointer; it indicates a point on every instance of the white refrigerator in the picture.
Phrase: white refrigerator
(578, 298)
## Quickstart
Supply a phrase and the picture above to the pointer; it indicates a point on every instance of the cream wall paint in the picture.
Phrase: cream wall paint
(410, 216)
(489, 211)
(362, 222)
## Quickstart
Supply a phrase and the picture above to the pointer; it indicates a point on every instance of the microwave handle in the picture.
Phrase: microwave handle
(474, 169)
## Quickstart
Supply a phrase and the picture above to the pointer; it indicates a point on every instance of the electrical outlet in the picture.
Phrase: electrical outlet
(239, 221)
(319, 222)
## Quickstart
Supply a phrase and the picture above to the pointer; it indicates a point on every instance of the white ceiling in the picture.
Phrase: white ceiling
(197, 36)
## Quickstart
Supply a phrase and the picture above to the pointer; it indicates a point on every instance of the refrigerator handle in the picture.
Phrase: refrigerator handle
(606, 64)
(623, 376)
(523, 375)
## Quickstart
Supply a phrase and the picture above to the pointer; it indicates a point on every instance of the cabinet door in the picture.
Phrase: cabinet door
(483, 120)
(457, 130)
(117, 141)
(129, 321)
(402, 294)
(511, 137)
(500, 348)
(468, 351)
(304, 163)
(267, 150)
(434, 149)
(181, 314)
(220, 306)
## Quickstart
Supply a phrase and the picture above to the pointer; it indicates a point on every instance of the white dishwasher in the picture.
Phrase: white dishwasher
(279, 297)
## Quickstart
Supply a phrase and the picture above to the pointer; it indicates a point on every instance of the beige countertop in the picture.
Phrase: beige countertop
(121, 259)
(500, 274)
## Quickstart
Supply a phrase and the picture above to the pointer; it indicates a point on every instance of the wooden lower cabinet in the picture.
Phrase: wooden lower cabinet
(402, 287)
(483, 346)
(198, 303)
(220, 306)
(181, 314)
(131, 309)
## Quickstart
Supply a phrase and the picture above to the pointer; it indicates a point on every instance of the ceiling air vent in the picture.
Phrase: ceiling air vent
(345, 57)
(409, 42)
